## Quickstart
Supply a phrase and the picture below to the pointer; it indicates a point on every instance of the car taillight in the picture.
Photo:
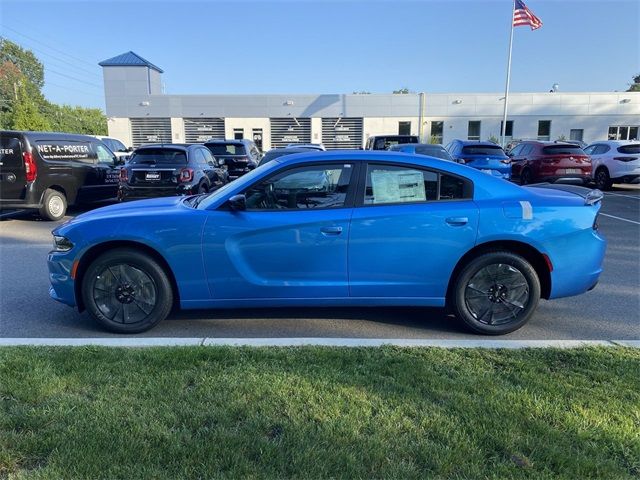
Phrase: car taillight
(124, 175)
(30, 168)
(625, 159)
(186, 175)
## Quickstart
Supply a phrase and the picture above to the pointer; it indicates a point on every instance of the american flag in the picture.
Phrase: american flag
(522, 16)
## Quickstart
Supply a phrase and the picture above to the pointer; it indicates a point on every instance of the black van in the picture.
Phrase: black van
(48, 171)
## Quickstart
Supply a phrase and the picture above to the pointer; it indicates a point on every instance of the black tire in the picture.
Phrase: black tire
(54, 205)
(602, 179)
(132, 286)
(525, 177)
(478, 286)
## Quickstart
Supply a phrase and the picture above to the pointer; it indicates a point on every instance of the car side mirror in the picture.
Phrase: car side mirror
(238, 202)
(130, 149)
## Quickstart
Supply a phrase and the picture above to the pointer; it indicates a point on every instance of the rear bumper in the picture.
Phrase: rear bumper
(126, 192)
(569, 179)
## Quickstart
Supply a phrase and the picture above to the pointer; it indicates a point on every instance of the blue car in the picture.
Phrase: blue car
(332, 229)
(429, 149)
(485, 156)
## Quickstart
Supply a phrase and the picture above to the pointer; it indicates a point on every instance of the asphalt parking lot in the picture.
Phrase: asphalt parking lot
(610, 312)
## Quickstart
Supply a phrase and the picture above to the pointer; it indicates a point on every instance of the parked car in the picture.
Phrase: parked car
(48, 171)
(170, 169)
(116, 146)
(279, 152)
(614, 161)
(485, 156)
(383, 142)
(239, 156)
(308, 146)
(416, 231)
(433, 150)
(536, 161)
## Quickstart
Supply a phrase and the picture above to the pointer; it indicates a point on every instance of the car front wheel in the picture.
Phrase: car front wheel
(496, 293)
(127, 291)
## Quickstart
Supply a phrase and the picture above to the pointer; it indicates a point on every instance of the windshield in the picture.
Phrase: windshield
(247, 177)
(158, 156)
(483, 150)
(226, 149)
(437, 152)
(562, 150)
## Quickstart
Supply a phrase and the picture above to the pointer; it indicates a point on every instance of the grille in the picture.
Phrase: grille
(150, 130)
(199, 130)
(290, 130)
(342, 133)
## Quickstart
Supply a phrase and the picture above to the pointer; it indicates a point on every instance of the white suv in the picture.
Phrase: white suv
(614, 161)
(116, 146)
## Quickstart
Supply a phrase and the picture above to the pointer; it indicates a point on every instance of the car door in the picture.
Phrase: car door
(410, 227)
(106, 174)
(12, 169)
(290, 242)
(516, 160)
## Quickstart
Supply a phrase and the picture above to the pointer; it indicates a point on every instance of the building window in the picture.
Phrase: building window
(473, 132)
(257, 138)
(238, 133)
(437, 129)
(623, 133)
(404, 128)
(508, 131)
(544, 130)
(576, 134)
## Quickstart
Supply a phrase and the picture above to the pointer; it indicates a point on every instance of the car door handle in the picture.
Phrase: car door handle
(457, 221)
(331, 230)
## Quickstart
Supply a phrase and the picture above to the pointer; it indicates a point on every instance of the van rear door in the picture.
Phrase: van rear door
(12, 175)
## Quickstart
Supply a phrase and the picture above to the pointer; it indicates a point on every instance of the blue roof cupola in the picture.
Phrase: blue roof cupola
(129, 59)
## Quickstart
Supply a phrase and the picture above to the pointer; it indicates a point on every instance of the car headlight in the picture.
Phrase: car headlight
(61, 244)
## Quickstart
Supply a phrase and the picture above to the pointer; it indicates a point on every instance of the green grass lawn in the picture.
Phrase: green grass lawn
(315, 412)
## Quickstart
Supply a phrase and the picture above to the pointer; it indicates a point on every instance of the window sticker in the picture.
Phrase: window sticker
(397, 186)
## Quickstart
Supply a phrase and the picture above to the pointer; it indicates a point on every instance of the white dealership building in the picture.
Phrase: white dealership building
(139, 112)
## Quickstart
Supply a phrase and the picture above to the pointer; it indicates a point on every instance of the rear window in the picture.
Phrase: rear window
(226, 149)
(158, 156)
(437, 152)
(10, 152)
(562, 150)
(483, 150)
(383, 143)
(633, 149)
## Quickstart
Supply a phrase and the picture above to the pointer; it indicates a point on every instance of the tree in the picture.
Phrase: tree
(362, 92)
(635, 86)
(402, 91)
(25, 114)
(67, 118)
(25, 60)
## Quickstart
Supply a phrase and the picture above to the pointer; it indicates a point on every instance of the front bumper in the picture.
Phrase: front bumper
(62, 288)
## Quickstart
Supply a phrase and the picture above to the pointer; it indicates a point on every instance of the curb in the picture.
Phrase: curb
(302, 341)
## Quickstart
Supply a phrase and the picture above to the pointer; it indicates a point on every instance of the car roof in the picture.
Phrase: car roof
(174, 146)
(615, 142)
(480, 143)
(49, 135)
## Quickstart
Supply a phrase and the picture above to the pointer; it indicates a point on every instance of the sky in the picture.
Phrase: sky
(301, 46)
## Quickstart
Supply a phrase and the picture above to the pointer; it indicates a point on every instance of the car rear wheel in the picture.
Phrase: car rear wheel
(496, 293)
(127, 291)
(525, 177)
(54, 205)
(603, 181)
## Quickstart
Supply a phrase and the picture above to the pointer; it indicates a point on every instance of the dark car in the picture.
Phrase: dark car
(433, 150)
(170, 169)
(383, 142)
(536, 161)
(279, 152)
(239, 156)
(485, 156)
(48, 171)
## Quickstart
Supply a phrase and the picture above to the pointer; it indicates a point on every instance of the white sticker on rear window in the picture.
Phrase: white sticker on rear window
(527, 210)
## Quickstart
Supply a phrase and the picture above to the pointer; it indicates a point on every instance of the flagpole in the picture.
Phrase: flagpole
(506, 88)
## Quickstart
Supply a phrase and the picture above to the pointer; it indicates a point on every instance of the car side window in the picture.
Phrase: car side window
(199, 157)
(104, 155)
(389, 184)
(526, 149)
(301, 188)
(515, 151)
(590, 150)
(603, 149)
(208, 157)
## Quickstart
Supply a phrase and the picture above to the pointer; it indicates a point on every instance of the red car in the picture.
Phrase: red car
(536, 161)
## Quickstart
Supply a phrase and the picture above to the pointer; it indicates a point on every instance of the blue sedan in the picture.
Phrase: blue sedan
(335, 228)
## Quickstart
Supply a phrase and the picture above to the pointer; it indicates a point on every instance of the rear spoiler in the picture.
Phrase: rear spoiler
(590, 196)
